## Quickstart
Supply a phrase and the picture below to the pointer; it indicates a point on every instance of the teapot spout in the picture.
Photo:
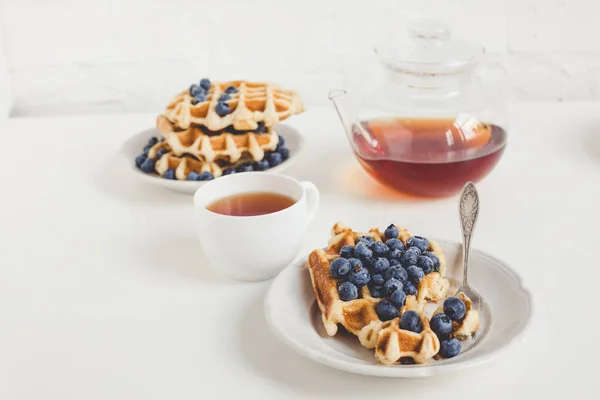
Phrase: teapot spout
(339, 100)
(348, 115)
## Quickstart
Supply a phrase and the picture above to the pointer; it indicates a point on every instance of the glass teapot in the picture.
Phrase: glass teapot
(430, 125)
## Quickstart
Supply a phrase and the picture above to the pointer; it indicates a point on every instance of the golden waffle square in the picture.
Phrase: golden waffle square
(249, 104)
(359, 316)
(224, 146)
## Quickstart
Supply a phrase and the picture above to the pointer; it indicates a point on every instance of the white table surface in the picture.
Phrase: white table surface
(104, 293)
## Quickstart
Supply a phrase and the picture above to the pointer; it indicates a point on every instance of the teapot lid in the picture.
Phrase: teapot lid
(429, 42)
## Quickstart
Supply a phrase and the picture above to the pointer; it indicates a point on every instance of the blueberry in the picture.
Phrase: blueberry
(222, 109)
(377, 280)
(224, 97)
(435, 259)
(281, 142)
(419, 242)
(411, 321)
(194, 90)
(206, 176)
(285, 153)
(362, 251)
(398, 298)
(395, 255)
(376, 291)
(391, 286)
(409, 257)
(455, 308)
(274, 159)
(199, 98)
(441, 324)
(450, 348)
(205, 83)
(160, 152)
(359, 276)
(415, 274)
(245, 168)
(139, 160)
(261, 165)
(394, 262)
(368, 240)
(380, 265)
(193, 176)
(425, 263)
(153, 140)
(410, 289)
(339, 268)
(148, 165)
(369, 262)
(391, 232)
(379, 249)
(394, 244)
(355, 263)
(415, 249)
(347, 252)
(169, 174)
(231, 89)
(347, 291)
(396, 272)
(229, 171)
(386, 311)
(147, 149)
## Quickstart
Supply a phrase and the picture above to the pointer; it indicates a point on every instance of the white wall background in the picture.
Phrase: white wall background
(99, 56)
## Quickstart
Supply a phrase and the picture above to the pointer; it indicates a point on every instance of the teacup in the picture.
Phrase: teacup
(253, 248)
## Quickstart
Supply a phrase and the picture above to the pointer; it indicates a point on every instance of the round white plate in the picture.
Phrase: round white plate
(134, 146)
(292, 313)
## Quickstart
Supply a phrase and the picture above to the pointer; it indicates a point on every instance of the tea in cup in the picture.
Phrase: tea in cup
(251, 225)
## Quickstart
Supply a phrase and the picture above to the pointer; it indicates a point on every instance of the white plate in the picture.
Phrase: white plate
(134, 146)
(292, 313)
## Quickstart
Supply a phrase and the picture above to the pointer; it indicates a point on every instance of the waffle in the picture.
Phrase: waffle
(466, 328)
(183, 165)
(225, 146)
(359, 316)
(253, 102)
(395, 344)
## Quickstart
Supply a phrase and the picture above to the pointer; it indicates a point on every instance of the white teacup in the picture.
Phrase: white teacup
(253, 248)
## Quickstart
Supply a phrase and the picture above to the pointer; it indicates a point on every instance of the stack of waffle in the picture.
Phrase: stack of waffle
(361, 315)
(222, 127)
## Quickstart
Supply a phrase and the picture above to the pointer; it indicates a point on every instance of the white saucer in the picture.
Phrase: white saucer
(292, 313)
(134, 146)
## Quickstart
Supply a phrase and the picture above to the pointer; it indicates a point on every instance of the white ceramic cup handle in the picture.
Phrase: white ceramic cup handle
(312, 197)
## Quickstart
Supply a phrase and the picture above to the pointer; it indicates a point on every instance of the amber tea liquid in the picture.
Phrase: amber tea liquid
(428, 157)
(251, 204)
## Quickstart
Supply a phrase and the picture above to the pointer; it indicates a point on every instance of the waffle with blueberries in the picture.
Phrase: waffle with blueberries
(456, 311)
(439, 337)
(227, 145)
(407, 338)
(238, 104)
(197, 148)
(376, 285)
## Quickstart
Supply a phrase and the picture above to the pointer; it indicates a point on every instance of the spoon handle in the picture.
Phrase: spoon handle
(468, 209)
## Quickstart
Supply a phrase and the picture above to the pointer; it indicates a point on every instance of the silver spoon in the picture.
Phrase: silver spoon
(468, 210)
